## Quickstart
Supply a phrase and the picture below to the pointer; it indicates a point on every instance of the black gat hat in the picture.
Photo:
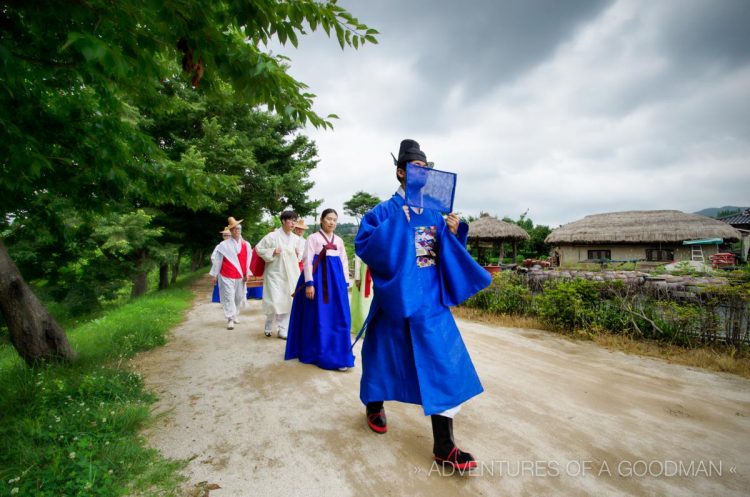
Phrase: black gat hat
(408, 151)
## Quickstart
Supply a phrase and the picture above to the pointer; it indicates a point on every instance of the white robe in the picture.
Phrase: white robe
(282, 270)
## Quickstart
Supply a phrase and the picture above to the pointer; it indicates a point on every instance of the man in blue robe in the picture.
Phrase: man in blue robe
(413, 351)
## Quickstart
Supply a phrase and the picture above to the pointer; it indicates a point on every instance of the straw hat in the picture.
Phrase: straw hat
(301, 224)
(233, 223)
(225, 231)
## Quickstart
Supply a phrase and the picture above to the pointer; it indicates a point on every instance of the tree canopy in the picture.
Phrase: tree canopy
(150, 113)
(359, 204)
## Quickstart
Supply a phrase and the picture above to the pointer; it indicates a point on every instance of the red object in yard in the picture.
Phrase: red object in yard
(722, 259)
(492, 269)
(535, 262)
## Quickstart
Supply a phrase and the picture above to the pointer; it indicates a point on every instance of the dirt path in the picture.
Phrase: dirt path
(556, 418)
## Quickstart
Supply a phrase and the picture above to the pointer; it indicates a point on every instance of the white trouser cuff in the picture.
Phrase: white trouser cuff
(449, 413)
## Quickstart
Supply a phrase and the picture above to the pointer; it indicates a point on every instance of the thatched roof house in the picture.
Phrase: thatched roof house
(638, 235)
(490, 228)
(489, 233)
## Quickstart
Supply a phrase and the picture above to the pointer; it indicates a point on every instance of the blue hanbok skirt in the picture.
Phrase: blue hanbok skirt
(319, 332)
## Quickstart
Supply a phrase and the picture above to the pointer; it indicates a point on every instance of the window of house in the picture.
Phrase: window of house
(600, 254)
(659, 255)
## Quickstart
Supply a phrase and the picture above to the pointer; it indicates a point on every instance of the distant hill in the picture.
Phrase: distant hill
(712, 211)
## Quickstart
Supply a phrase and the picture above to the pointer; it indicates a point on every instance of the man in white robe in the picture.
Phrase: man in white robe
(225, 235)
(281, 251)
(230, 266)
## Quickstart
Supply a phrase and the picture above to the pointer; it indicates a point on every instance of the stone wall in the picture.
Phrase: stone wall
(676, 286)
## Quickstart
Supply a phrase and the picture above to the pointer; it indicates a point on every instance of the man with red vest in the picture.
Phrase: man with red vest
(231, 267)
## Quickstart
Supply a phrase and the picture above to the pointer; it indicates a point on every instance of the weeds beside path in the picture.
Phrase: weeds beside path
(73, 429)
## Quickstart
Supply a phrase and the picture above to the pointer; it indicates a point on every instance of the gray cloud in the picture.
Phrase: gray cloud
(564, 108)
(698, 32)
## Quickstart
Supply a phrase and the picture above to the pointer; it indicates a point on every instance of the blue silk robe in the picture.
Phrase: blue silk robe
(413, 351)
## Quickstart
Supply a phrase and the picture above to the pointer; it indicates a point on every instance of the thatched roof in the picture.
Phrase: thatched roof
(642, 227)
(491, 228)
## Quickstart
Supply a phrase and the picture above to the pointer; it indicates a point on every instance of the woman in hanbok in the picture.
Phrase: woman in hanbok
(320, 319)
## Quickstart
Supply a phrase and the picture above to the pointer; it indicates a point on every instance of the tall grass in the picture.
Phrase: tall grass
(72, 429)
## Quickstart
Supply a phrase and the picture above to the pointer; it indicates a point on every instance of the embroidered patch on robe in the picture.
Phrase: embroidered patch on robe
(424, 240)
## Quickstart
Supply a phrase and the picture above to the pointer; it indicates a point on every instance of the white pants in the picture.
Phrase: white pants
(282, 321)
(450, 412)
(233, 296)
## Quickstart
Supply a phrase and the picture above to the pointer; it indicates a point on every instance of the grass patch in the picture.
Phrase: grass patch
(73, 429)
(507, 320)
(719, 358)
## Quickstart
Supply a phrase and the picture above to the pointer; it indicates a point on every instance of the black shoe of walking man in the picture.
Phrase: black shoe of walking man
(445, 449)
(376, 417)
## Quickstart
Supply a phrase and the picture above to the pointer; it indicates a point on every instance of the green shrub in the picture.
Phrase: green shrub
(714, 314)
(569, 304)
(673, 322)
(609, 315)
(562, 307)
(507, 294)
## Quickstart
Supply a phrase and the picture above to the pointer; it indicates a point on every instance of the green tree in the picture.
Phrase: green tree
(127, 240)
(360, 203)
(535, 246)
(75, 80)
(264, 153)
(727, 213)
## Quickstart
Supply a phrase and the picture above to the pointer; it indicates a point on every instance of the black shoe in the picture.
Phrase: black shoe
(376, 417)
(458, 459)
(445, 449)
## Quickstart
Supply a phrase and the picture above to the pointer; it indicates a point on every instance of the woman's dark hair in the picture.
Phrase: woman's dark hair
(328, 211)
(288, 215)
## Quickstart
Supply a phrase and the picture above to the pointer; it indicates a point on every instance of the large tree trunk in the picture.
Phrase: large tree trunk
(33, 331)
(140, 280)
(197, 261)
(176, 268)
(163, 276)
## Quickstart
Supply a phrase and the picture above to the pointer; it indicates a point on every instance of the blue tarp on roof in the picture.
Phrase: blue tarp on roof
(705, 241)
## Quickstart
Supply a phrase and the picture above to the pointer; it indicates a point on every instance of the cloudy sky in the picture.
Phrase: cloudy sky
(562, 107)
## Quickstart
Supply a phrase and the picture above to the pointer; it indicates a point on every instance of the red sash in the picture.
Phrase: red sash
(228, 270)
(367, 282)
(257, 264)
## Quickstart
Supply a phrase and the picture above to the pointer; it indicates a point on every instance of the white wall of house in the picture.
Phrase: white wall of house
(575, 254)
